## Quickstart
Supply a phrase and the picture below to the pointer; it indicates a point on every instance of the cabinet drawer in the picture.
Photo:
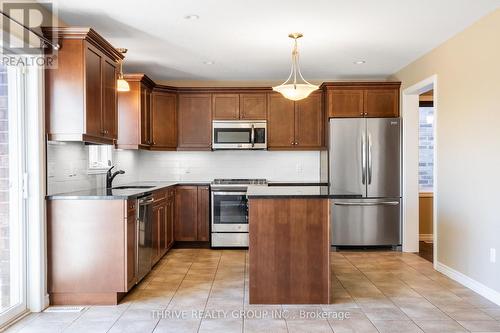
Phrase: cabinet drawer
(159, 195)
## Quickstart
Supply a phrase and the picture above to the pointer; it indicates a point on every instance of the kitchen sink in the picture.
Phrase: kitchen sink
(131, 187)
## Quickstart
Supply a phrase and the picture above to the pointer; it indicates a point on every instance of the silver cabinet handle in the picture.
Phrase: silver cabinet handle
(383, 203)
(252, 136)
(369, 158)
(363, 159)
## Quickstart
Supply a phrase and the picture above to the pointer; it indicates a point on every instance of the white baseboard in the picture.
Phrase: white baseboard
(426, 237)
(470, 283)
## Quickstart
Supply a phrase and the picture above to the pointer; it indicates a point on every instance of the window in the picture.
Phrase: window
(100, 158)
(426, 148)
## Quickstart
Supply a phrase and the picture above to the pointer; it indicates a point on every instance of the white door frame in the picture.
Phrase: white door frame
(410, 108)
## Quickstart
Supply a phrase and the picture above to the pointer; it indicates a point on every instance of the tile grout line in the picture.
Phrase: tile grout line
(210, 291)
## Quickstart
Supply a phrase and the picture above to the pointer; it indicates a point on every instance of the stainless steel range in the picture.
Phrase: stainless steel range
(230, 211)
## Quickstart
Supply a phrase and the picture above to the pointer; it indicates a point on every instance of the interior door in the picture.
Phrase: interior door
(383, 154)
(348, 155)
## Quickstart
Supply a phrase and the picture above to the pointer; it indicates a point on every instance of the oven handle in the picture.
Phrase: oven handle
(229, 193)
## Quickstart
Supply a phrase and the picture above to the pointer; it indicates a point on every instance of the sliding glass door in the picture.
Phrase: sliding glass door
(13, 252)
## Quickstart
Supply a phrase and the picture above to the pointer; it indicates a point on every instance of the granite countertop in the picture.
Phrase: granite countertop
(119, 194)
(276, 192)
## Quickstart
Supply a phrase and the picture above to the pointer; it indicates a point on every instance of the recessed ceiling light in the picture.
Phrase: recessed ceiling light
(209, 62)
(359, 62)
(191, 17)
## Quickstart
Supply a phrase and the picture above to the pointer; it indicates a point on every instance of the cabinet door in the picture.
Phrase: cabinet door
(226, 106)
(155, 238)
(164, 120)
(309, 122)
(345, 103)
(93, 91)
(145, 115)
(131, 233)
(195, 121)
(162, 214)
(253, 106)
(109, 115)
(203, 213)
(380, 103)
(170, 222)
(281, 122)
(186, 213)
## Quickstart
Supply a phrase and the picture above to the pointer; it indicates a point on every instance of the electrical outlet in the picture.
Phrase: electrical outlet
(493, 255)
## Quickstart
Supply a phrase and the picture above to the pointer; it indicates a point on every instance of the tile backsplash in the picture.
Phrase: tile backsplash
(67, 166)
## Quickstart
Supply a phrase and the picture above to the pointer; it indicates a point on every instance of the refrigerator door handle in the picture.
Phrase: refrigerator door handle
(383, 203)
(363, 159)
(370, 158)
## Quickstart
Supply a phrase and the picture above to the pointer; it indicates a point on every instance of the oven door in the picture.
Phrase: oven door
(229, 211)
(239, 135)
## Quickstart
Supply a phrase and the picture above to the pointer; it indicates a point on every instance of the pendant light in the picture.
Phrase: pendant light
(291, 88)
(121, 83)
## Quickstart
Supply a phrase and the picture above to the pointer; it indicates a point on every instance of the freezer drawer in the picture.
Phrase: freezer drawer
(366, 222)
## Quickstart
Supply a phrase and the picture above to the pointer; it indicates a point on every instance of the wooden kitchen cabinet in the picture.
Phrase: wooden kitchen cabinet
(362, 99)
(163, 120)
(244, 106)
(194, 122)
(296, 125)
(280, 122)
(131, 232)
(191, 213)
(253, 106)
(226, 106)
(203, 222)
(381, 103)
(134, 113)
(81, 96)
(99, 245)
(170, 212)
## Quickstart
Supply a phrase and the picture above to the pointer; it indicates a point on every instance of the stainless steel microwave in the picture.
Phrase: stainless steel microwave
(239, 134)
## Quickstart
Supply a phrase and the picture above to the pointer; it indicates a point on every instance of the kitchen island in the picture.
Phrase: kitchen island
(289, 247)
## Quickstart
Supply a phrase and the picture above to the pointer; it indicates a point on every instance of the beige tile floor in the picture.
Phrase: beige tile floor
(371, 292)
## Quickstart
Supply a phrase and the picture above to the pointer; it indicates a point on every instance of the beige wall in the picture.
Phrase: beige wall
(468, 146)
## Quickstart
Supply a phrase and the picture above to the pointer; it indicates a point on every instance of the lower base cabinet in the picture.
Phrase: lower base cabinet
(192, 208)
(163, 223)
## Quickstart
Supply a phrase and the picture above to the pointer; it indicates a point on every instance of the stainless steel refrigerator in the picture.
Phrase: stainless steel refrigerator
(365, 158)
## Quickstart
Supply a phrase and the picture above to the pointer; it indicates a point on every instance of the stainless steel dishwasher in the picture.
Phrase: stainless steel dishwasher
(144, 246)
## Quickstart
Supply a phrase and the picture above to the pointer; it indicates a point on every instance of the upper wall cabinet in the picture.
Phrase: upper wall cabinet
(163, 120)
(362, 99)
(134, 113)
(244, 106)
(81, 97)
(194, 122)
(296, 125)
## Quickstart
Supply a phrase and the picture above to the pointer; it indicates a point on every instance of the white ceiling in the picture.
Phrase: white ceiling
(247, 40)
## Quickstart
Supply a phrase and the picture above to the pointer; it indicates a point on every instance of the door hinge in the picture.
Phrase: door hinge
(25, 185)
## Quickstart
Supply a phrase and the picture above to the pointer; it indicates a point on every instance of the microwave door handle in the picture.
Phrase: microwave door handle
(252, 136)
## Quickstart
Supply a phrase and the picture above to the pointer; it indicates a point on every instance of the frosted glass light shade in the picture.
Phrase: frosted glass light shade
(295, 92)
(122, 85)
